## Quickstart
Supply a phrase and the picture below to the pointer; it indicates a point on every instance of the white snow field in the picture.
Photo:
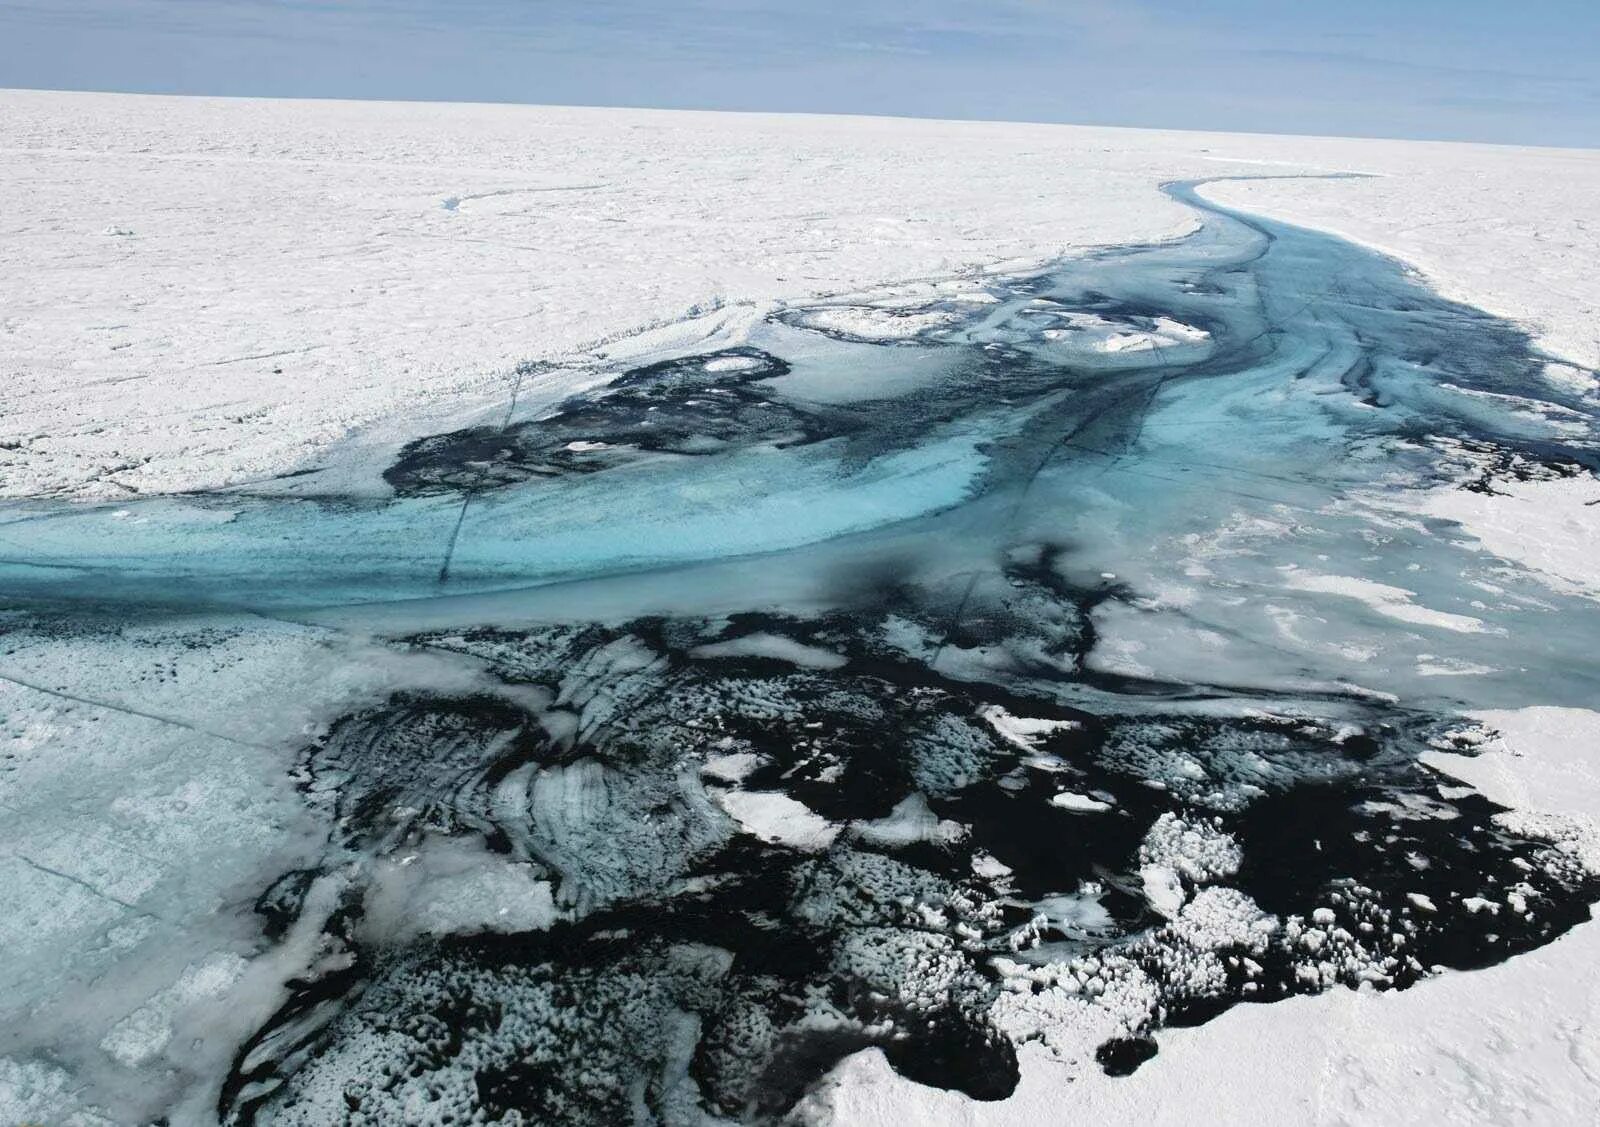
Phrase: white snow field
(203, 292)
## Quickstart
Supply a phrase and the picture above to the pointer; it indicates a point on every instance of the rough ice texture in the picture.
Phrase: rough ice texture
(1513, 1043)
(145, 797)
(208, 291)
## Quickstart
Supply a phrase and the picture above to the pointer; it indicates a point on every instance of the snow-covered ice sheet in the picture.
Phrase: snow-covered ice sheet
(951, 677)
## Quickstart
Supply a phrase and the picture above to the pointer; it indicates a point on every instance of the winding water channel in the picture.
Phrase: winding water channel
(936, 672)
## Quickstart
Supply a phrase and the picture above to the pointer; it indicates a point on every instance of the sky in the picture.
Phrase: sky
(1513, 71)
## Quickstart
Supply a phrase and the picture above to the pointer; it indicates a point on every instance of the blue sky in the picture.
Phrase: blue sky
(1494, 70)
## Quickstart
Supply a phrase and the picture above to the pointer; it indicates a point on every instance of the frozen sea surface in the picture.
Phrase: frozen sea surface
(1040, 661)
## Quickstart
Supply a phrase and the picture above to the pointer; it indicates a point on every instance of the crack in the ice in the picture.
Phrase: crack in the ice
(453, 203)
(522, 373)
(129, 710)
(83, 884)
(265, 355)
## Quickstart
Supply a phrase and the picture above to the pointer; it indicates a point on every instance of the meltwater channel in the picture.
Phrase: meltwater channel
(1054, 659)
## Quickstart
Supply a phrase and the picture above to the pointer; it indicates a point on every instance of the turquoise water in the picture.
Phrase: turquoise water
(1290, 372)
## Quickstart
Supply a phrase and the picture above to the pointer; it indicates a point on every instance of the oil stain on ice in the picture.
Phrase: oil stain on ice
(1037, 660)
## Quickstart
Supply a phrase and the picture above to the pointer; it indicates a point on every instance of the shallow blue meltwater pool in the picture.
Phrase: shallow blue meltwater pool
(924, 670)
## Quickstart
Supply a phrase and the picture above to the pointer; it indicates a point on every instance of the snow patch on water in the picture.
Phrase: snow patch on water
(1079, 803)
(773, 646)
(1393, 602)
(777, 818)
(1024, 732)
(910, 821)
